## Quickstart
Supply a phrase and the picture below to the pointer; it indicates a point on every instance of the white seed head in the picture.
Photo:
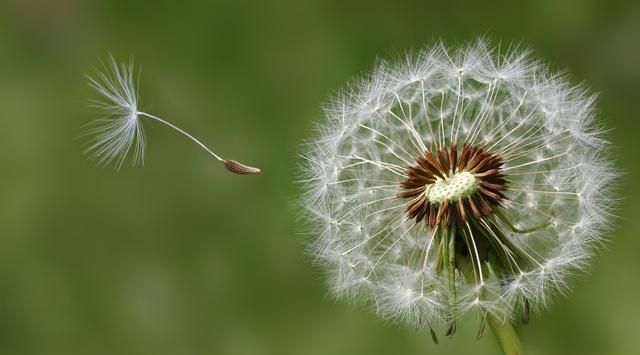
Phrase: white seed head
(514, 218)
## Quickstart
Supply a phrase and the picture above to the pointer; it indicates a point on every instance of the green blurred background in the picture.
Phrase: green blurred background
(181, 257)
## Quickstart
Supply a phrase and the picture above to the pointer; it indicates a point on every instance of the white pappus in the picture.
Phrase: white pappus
(454, 181)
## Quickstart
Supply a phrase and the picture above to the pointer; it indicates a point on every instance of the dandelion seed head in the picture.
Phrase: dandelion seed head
(457, 181)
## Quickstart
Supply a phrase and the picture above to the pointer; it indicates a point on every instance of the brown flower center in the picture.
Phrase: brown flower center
(451, 186)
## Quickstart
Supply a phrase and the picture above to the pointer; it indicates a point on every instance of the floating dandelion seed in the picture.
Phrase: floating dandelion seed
(119, 133)
(455, 182)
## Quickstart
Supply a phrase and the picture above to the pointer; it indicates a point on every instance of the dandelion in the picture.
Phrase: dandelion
(458, 182)
(119, 132)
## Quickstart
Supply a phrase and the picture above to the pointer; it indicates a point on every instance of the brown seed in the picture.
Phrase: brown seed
(239, 168)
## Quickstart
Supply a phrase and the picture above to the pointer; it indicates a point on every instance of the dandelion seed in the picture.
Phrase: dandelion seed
(119, 132)
(502, 187)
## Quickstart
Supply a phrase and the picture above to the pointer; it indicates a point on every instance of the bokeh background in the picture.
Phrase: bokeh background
(181, 257)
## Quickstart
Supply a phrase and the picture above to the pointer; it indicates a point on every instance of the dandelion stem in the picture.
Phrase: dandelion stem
(502, 329)
(506, 335)
(450, 246)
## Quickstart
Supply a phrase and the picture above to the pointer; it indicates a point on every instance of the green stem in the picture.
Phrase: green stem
(506, 335)
(451, 275)
(503, 330)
